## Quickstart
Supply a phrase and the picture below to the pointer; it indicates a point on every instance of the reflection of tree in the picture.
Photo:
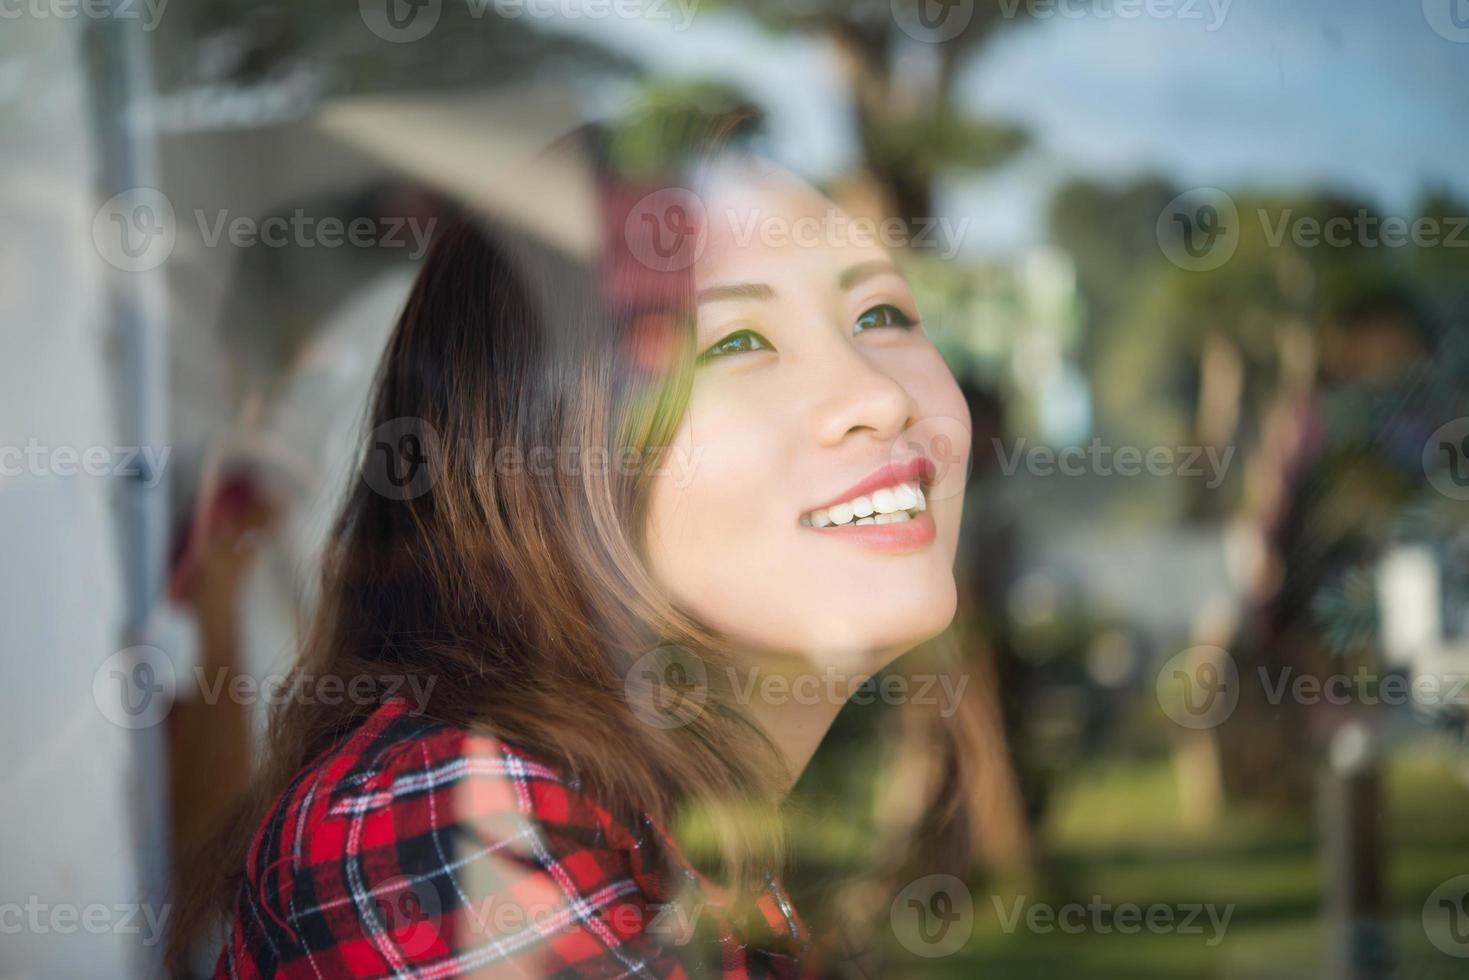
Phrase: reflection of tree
(1306, 356)
(909, 128)
(670, 116)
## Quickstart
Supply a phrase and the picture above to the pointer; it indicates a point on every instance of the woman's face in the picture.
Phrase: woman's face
(811, 504)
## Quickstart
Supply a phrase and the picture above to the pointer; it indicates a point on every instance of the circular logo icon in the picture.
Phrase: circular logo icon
(135, 230)
(933, 21)
(1446, 917)
(945, 443)
(409, 912)
(667, 229)
(136, 687)
(1199, 688)
(1199, 230)
(933, 916)
(400, 21)
(1448, 18)
(1446, 459)
(403, 458)
(667, 687)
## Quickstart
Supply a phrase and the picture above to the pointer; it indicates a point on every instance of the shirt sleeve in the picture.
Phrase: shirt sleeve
(464, 858)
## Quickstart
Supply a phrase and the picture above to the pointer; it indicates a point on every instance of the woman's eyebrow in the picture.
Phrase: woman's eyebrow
(737, 290)
(866, 270)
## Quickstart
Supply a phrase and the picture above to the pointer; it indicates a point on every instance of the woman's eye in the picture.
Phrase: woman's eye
(885, 315)
(740, 342)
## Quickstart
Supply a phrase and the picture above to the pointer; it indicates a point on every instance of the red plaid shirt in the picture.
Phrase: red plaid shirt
(416, 849)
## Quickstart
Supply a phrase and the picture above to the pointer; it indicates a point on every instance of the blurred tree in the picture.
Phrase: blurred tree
(668, 116)
(1306, 353)
(901, 78)
(1110, 234)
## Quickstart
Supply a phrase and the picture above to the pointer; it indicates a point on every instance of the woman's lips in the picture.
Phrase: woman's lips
(914, 534)
(918, 470)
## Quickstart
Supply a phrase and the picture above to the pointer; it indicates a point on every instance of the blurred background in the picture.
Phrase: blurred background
(1202, 267)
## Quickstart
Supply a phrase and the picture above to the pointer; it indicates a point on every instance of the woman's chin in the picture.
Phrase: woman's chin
(871, 638)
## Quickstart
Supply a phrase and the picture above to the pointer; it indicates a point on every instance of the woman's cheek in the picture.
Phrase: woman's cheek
(706, 529)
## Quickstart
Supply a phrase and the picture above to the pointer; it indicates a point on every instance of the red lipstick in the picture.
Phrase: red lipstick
(916, 470)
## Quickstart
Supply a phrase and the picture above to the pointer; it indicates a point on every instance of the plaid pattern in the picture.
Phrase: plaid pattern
(416, 849)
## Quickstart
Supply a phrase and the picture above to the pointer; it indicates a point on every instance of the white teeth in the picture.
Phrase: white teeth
(907, 495)
(889, 505)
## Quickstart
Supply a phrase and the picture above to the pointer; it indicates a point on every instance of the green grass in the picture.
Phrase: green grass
(1118, 833)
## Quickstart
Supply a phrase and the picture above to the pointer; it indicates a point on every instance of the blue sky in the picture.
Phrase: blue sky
(1361, 96)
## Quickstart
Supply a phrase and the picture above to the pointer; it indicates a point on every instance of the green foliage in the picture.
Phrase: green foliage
(671, 117)
(1148, 319)
(926, 144)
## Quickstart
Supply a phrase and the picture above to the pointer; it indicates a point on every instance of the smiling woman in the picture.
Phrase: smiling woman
(581, 636)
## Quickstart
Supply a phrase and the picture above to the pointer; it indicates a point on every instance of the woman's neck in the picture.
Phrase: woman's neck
(795, 703)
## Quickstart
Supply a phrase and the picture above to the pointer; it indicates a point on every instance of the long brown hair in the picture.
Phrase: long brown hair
(504, 576)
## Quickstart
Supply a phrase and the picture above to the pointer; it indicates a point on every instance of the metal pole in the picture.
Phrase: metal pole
(121, 89)
(1349, 805)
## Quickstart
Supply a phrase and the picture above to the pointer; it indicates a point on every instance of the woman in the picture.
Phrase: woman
(617, 557)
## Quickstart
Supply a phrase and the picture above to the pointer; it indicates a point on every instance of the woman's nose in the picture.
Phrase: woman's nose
(859, 396)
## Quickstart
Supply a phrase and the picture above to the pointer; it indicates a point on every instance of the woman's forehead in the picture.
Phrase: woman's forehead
(769, 221)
